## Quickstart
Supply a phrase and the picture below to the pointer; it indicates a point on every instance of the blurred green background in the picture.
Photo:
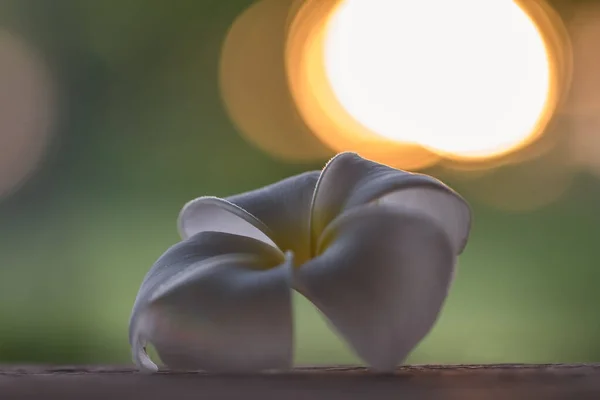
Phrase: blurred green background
(142, 129)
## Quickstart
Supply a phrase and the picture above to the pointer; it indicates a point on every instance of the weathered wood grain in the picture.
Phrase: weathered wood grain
(464, 382)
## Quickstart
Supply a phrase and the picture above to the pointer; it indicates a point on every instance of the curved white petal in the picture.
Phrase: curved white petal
(216, 302)
(380, 278)
(214, 214)
(348, 181)
(284, 207)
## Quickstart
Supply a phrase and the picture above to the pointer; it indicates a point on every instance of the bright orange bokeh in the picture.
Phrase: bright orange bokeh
(289, 92)
(325, 111)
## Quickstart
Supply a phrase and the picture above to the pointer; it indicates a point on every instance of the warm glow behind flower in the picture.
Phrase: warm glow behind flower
(467, 77)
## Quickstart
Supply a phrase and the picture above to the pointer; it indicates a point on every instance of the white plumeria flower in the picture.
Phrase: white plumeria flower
(374, 248)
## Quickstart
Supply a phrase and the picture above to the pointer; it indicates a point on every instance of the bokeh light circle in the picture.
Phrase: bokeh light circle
(254, 89)
(409, 84)
(27, 111)
(465, 77)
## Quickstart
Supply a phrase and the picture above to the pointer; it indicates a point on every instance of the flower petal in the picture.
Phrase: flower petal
(214, 214)
(380, 279)
(348, 181)
(216, 302)
(285, 208)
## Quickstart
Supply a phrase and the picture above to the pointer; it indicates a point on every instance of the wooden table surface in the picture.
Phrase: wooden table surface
(464, 382)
